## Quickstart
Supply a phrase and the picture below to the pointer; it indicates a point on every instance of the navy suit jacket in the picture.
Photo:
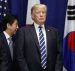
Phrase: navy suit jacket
(6, 62)
(28, 54)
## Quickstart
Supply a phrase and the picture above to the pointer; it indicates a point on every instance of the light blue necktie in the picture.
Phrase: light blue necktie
(11, 46)
(42, 49)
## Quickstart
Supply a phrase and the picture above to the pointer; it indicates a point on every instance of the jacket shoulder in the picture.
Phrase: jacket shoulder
(52, 29)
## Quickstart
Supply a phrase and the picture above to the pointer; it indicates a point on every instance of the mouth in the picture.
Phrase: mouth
(41, 18)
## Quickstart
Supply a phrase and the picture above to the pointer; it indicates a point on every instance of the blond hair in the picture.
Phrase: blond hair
(37, 6)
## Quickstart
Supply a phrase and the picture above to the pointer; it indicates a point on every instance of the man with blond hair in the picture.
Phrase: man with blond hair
(37, 46)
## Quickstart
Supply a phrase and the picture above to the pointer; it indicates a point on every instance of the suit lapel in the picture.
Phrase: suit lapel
(48, 37)
(5, 40)
(6, 46)
(34, 35)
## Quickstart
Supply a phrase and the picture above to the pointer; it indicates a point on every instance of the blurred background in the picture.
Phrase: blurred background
(55, 14)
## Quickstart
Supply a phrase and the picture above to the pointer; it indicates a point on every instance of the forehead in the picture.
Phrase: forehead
(15, 22)
(39, 7)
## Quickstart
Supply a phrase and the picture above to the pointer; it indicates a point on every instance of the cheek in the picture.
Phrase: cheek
(38, 17)
(13, 28)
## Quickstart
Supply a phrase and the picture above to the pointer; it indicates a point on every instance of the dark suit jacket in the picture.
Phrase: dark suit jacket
(28, 54)
(6, 63)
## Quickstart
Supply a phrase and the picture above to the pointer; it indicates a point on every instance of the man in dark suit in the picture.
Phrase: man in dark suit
(37, 46)
(10, 26)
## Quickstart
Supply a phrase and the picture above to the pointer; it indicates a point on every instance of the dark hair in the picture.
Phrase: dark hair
(8, 19)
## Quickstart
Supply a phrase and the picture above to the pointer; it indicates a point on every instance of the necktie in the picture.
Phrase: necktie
(11, 46)
(42, 48)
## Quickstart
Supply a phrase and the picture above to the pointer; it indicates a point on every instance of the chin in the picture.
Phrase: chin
(14, 33)
(42, 22)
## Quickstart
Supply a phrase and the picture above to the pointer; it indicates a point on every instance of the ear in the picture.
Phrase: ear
(8, 25)
(32, 16)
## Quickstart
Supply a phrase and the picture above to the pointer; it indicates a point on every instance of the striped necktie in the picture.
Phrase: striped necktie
(11, 46)
(42, 49)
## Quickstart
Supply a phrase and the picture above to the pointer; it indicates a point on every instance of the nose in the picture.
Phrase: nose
(41, 14)
(17, 27)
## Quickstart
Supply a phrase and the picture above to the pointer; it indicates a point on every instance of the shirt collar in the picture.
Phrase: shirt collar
(6, 35)
(36, 25)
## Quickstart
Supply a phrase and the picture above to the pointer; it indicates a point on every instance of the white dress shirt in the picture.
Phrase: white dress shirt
(7, 36)
(8, 41)
(43, 30)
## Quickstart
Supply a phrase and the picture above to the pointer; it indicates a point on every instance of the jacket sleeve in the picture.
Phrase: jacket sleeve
(4, 63)
(19, 45)
(59, 61)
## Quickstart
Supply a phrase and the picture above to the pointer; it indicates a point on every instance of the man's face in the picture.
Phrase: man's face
(39, 15)
(13, 28)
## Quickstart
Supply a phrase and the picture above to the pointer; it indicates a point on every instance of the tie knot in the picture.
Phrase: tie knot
(10, 39)
(40, 27)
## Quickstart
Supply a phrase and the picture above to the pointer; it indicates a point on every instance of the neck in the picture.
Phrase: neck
(8, 32)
